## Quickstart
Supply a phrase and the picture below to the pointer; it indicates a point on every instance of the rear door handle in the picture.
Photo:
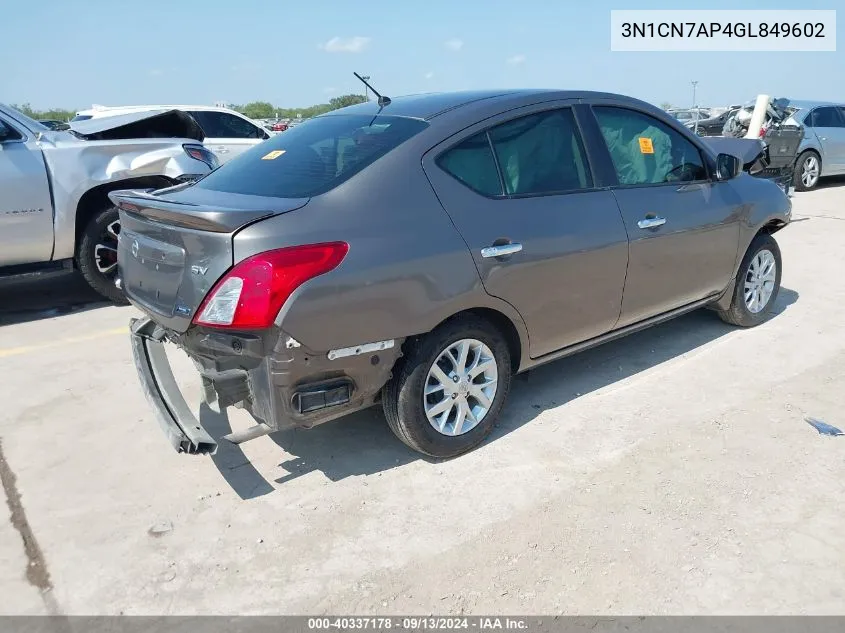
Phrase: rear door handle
(650, 223)
(501, 250)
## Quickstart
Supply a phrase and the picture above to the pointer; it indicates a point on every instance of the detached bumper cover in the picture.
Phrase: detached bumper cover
(174, 415)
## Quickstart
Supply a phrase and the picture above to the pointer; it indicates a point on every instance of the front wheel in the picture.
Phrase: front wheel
(757, 283)
(448, 391)
(96, 254)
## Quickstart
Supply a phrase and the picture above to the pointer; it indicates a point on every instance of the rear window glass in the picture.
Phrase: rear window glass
(312, 158)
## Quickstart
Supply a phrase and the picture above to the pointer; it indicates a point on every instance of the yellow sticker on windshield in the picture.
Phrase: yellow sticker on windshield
(276, 153)
(646, 146)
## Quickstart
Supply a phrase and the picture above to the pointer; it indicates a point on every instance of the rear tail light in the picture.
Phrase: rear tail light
(201, 153)
(251, 294)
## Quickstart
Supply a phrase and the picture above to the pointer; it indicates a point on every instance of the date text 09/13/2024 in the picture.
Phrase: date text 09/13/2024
(413, 623)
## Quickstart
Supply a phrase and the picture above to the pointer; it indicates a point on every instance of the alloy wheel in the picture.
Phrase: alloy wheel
(105, 251)
(760, 281)
(460, 387)
(810, 171)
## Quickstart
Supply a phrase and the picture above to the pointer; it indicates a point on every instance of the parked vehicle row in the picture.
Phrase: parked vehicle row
(419, 253)
(821, 124)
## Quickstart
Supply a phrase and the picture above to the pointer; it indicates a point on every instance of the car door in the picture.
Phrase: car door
(228, 135)
(543, 234)
(26, 209)
(683, 226)
(828, 124)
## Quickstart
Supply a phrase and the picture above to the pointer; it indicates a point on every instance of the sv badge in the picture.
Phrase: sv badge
(199, 270)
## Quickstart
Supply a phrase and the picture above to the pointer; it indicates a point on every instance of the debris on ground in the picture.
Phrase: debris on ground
(823, 427)
(159, 529)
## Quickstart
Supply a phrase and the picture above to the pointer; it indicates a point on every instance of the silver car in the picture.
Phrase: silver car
(822, 151)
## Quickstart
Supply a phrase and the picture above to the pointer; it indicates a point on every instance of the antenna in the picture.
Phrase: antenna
(382, 101)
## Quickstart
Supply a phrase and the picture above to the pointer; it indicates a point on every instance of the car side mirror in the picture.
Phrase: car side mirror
(728, 166)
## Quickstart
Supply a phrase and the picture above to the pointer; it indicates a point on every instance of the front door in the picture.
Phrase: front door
(544, 238)
(683, 226)
(26, 210)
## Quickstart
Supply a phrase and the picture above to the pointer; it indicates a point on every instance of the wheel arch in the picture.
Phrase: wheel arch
(516, 337)
(96, 199)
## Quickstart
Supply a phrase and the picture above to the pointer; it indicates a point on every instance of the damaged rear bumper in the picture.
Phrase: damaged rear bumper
(178, 422)
(279, 382)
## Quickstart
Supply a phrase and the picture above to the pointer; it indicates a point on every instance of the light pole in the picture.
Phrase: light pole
(694, 84)
(366, 90)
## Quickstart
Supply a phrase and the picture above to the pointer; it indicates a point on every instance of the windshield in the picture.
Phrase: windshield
(20, 117)
(314, 157)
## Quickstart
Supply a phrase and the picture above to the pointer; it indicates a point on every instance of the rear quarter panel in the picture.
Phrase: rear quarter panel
(407, 268)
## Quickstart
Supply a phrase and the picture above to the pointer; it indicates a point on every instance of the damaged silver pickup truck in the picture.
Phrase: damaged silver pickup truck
(55, 214)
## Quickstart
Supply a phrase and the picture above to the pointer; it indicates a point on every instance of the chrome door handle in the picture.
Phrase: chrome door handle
(501, 250)
(650, 223)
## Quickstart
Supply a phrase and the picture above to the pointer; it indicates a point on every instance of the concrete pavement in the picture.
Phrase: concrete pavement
(671, 472)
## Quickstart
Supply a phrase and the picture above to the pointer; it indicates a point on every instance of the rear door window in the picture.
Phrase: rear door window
(472, 162)
(538, 154)
(314, 157)
(541, 154)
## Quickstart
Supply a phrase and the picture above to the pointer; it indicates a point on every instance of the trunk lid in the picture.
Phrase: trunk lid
(176, 243)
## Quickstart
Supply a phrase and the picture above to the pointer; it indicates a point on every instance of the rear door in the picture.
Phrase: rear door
(228, 135)
(26, 207)
(544, 235)
(828, 123)
(682, 225)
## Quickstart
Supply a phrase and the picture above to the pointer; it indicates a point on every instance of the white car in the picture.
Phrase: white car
(227, 133)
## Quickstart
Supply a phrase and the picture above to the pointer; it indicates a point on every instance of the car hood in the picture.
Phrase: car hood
(147, 124)
(748, 150)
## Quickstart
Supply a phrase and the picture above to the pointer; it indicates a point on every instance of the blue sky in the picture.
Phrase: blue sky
(117, 52)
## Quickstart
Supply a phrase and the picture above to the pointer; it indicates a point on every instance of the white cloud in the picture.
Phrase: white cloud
(429, 75)
(516, 60)
(454, 44)
(346, 44)
(329, 91)
(156, 72)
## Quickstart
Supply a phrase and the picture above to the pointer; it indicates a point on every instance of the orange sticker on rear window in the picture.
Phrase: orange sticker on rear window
(276, 153)
(646, 146)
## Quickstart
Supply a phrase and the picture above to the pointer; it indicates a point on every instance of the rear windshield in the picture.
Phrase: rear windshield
(312, 158)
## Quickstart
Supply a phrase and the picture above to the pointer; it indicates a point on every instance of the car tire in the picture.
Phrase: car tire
(96, 254)
(757, 285)
(812, 162)
(405, 400)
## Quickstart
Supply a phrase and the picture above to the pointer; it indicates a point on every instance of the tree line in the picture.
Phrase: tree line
(254, 110)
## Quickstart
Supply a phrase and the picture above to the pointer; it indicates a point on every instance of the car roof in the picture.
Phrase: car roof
(806, 105)
(427, 106)
(156, 107)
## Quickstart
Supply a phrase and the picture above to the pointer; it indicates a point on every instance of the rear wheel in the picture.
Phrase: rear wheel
(808, 169)
(446, 395)
(96, 254)
(757, 284)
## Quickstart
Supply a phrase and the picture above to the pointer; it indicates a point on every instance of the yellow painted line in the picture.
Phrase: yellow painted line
(16, 351)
